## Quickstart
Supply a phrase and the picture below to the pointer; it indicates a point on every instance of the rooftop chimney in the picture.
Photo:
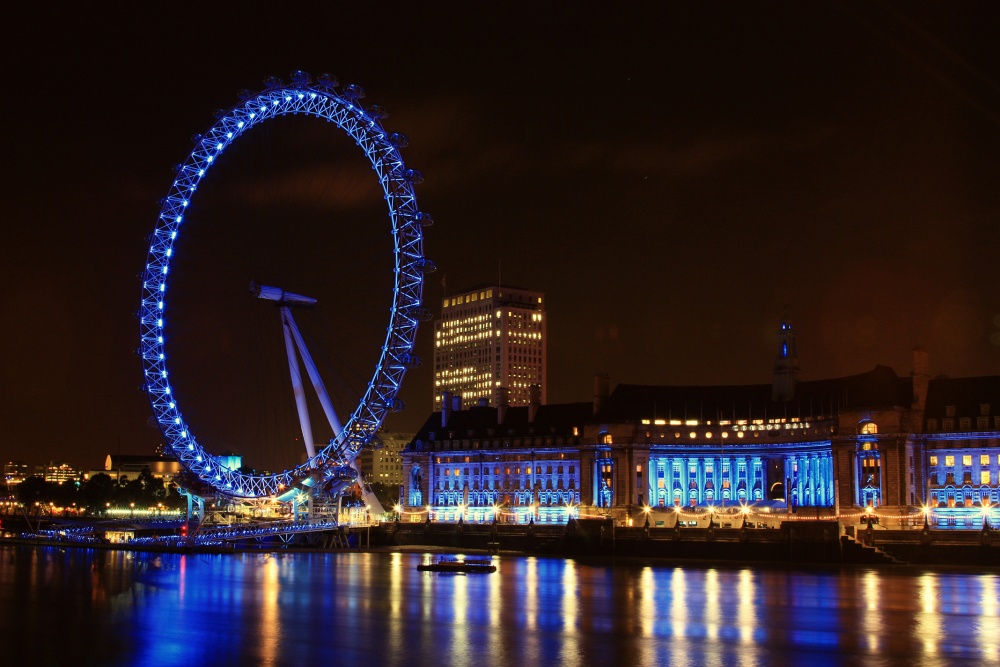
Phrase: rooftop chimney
(601, 384)
(503, 401)
(921, 378)
(534, 400)
(446, 407)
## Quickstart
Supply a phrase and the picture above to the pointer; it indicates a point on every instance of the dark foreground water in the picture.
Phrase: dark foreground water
(78, 607)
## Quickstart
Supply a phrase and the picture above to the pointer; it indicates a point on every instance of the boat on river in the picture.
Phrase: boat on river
(459, 565)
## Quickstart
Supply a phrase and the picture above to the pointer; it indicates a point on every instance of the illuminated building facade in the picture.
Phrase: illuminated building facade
(873, 442)
(130, 466)
(58, 472)
(490, 345)
(383, 465)
(961, 445)
(15, 472)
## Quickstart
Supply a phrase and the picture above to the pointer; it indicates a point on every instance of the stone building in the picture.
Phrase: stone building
(872, 442)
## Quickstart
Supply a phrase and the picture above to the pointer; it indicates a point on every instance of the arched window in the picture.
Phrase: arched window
(868, 427)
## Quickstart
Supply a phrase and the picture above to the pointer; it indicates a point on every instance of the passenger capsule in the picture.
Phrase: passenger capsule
(419, 313)
(399, 140)
(327, 81)
(378, 112)
(353, 91)
(300, 78)
(425, 265)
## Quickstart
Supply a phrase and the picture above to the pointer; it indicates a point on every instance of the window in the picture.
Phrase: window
(964, 424)
(869, 428)
(984, 477)
(949, 461)
(931, 425)
(934, 460)
(984, 459)
(967, 460)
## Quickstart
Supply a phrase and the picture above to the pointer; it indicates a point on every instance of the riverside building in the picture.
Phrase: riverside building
(899, 447)
(490, 340)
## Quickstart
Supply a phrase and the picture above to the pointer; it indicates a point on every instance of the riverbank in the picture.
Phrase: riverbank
(799, 543)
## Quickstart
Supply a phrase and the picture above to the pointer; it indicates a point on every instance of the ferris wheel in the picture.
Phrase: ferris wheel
(322, 98)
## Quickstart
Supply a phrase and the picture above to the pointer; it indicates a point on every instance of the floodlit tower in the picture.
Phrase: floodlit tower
(786, 364)
(490, 338)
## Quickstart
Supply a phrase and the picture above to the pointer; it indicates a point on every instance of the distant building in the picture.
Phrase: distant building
(129, 466)
(383, 465)
(489, 346)
(15, 472)
(59, 472)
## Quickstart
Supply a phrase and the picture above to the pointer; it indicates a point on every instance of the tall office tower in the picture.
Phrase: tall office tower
(489, 345)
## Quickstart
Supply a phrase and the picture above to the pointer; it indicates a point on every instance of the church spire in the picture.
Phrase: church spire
(786, 363)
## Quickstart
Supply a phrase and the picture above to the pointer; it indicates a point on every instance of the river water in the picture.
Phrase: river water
(82, 607)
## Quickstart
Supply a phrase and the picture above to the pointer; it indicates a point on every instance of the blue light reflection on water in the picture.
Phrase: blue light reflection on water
(282, 609)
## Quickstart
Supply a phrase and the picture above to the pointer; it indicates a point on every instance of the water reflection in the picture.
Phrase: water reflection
(116, 608)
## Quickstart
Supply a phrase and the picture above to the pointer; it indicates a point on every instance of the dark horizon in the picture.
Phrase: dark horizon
(674, 179)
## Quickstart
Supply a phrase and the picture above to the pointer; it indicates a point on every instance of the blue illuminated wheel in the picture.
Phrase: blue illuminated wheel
(326, 100)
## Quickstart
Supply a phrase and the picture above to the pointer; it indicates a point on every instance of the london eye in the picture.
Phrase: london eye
(324, 99)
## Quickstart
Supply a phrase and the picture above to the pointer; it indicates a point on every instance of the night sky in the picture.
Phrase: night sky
(674, 176)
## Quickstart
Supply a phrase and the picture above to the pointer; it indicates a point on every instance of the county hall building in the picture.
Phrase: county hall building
(878, 442)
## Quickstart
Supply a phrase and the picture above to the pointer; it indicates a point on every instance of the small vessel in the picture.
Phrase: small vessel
(464, 565)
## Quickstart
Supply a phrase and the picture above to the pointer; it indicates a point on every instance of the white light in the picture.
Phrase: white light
(240, 124)
(184, 203)
(313, 96)
(209, 158)
(201, 172)
(159, 322)
(301, 96)
(276, 103)
(164, 269)
(177, 420)
(170, 251)
(173, 235)
(163, 287)
(253, 115)
(229, 135)
(218, 147)
(159, 339)
(159, 304)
